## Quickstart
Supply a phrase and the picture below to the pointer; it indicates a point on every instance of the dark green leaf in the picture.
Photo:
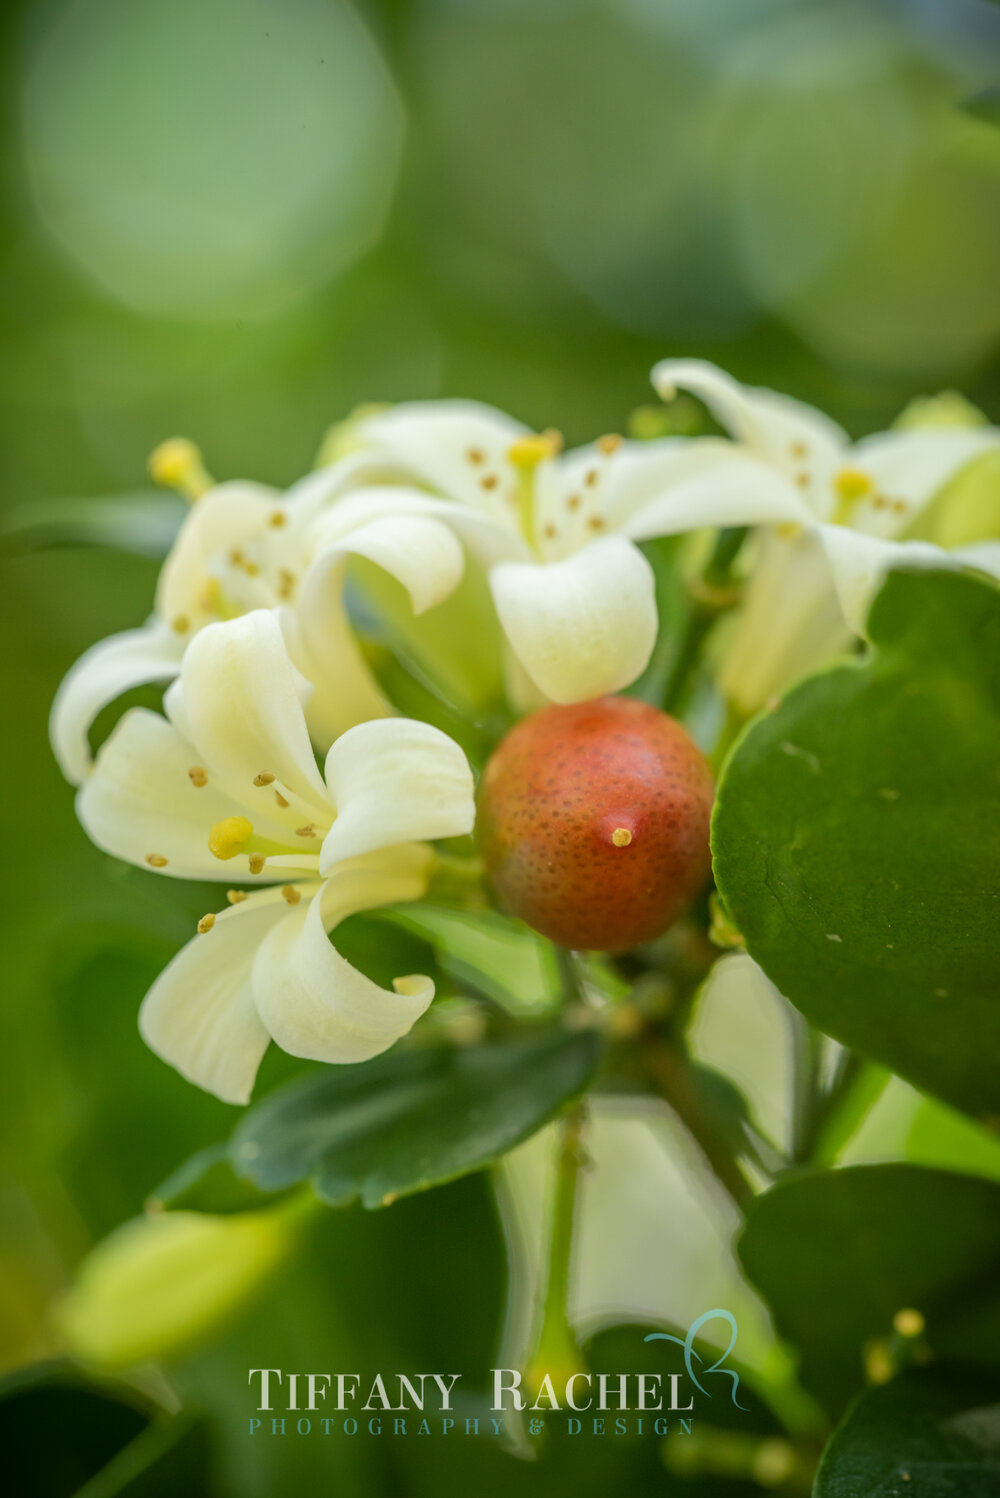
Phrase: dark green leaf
(59, 1429)
(932, 1433)
(837, 1253)
(166, 1459)
(410, 1119)
(146, 524)
(207, 1183)
(857, 840)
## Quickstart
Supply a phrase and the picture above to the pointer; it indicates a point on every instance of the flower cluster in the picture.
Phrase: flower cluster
(532, 558)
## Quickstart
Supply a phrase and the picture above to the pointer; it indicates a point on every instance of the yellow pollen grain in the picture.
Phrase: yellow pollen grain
(156, 860)
(475, 455)
(230, 836)
(549, 532)
(573, 502)
(899, 506)
(590, 477)
(609, 444)
(803, 480)
(307, 831)
(277, 519)
(198, 775)
(799, 449)
(908, 1322)
(177, 464)
(206, 923)
(236, 556)
(286, 583)
(489, 482)
(596, 522)
(621, 837)
(180, 624)
(290, 894)
(263, 778)
(236, 896)
(852, 484)
(280, 799)
(257, 862)
(251, 569)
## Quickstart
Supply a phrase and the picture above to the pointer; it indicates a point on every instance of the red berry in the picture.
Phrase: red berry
(593, 820)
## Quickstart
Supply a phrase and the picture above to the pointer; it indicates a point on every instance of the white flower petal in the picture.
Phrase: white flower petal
(242, 708)
(583, 626)
(139, 801)
(228, 515)
(395, 780)
(859, 565)
(200, 1014)
(983, 555)
(450, 446)
(783, 430)
(489, 538)
(312, 1001)
(915, 465)
(734, 489)
(108, 669)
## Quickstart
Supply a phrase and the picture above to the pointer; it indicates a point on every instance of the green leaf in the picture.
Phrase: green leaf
(837, 1253)
(411, 1119)
(932, 1433)
(146, 524)
(499, 957)
(207, 1183)
(857, 840)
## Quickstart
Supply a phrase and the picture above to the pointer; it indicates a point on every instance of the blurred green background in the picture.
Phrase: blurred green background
(236, 219)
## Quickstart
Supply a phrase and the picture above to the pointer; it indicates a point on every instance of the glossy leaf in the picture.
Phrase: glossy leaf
(857, 840)
(411, 1119)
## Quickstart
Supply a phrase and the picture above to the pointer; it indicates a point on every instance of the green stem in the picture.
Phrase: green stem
(713, 593)
(558, 1351)
(807, 1050)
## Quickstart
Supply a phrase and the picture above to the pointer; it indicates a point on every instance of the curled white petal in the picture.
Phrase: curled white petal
(241, 706)
(310, 998)
(200, 1016)
(395, 780)
(913, 465)
(583, 626)
(104, 672)
(228, 515)
(734, 489)
(859, 565)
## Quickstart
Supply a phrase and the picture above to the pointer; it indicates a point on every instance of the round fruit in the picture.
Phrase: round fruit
(593, 820)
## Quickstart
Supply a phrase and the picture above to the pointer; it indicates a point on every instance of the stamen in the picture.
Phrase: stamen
(251, 569)
(286, 583)
(236, 896)
(803, 479)
(264, 778)
(852, 484)
(180, 624)
(290, 894)
(475, 455)
(206, 923)
(308, 831)
(573, 502)
(198, 775)
(590, 477)
(156, 860)
(549, 532)
(280, 799)
(621, 837)
(257, 862)
(237, 556)
(177, 464)
(609, 444)
(489, 482)
(527, 452)
(595, 522)
(230, 836)
(908, 1322)
(799, 449)
(277, 519)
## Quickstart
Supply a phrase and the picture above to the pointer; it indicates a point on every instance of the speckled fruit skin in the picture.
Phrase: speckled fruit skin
(553, 794)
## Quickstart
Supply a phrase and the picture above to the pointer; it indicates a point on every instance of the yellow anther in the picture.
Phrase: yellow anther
(206, 923)
(230, 836)
(257, 862)
(573, 502)
(237, 556)
(307, 831)
(609, 444)
(549, 531)
(803, 479)
(527, 452)
(236, 896)
(908, 1322)
(489, 482)
(156, 860)
(475, 455)
(590, 477)
(251, 569)
(799, 449)
(595, 522)
(177, 464)
(280, 799)
(277, 519)
(852, 484)
(878, 1364)
(180, 624)
(621, 837)
(286, 583)
(290, 894)
(264, 778)
(198, 775)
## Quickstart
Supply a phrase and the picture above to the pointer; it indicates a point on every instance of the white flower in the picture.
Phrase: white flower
(556, 532)
(226, 788)
(811, 585)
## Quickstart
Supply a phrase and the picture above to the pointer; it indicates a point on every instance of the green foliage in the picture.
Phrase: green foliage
(410, 1119)
(207, 1183)
(145, 524)
(932, 1433)
(838, 1253)
(489, 952)
(857, 841)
